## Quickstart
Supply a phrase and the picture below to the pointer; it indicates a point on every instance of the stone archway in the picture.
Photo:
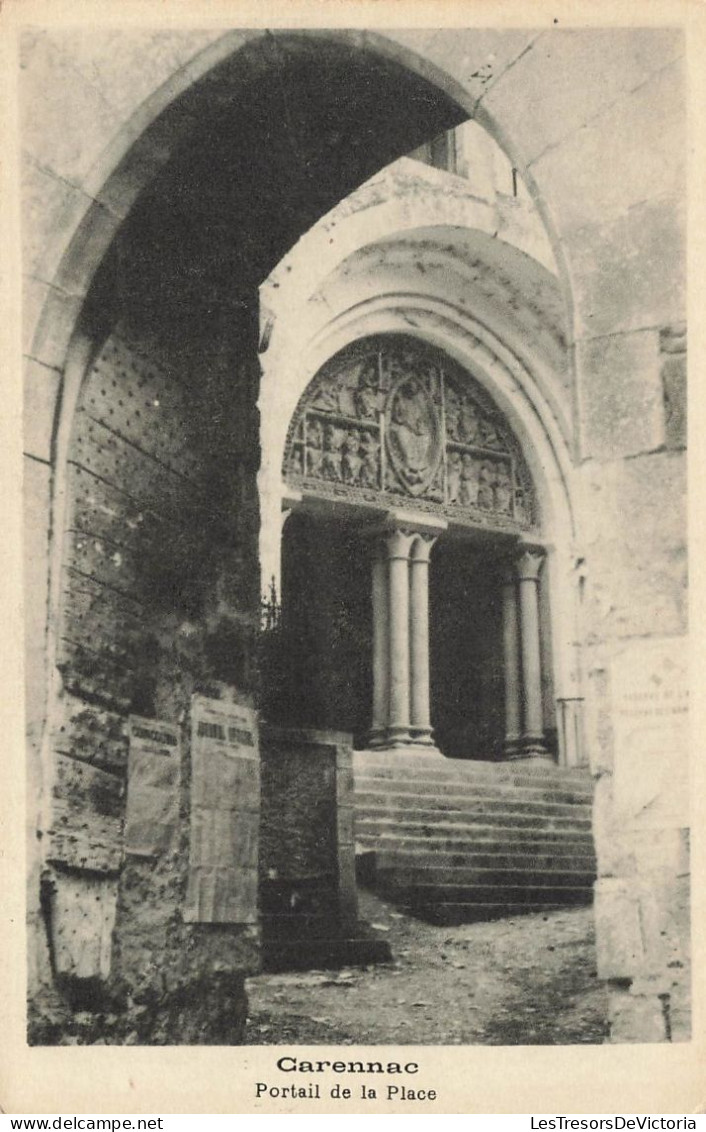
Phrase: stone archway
(461, 292)
(397, 441)
(627, 342)
(158, 353)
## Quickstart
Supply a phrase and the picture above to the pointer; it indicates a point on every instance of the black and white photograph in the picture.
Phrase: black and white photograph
(356, 667)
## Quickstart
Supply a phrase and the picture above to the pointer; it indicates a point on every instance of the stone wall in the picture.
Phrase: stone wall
(153, 608)
(504, 207)
(635, 623)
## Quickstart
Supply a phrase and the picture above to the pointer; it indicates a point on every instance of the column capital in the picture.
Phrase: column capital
(422, 547)
(400, 518)
(289, 508)
(529, 563)
(291, 499)
(398, 543)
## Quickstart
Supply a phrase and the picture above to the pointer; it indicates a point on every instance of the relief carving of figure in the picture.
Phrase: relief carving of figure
(369, 475)
(469, 425)
(327, 397)
(503, 490)
(486, 483)
(314, 446)
(342, 436)
(365, 398)
(296, 464)
(453, 410)
(490, 435)
(351, 462)
(453, 477)
(469, 480)
(395, 367)
(412, 438)
(331, 461)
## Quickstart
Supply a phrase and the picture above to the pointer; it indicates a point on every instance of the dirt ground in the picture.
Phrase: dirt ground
(529, 980)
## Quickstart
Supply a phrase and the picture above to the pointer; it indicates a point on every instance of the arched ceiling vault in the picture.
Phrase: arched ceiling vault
(268, 141)
(458, 269)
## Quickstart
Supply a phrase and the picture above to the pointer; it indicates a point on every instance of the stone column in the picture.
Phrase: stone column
(381, 647)
(528, 567)
(419, 640)
(511, 665)
(398, 545)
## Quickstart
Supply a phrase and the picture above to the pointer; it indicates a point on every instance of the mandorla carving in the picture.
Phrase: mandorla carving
(413, 434)
(389, 416)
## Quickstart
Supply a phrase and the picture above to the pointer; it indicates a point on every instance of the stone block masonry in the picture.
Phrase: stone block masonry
(307, 858)
(641, 826)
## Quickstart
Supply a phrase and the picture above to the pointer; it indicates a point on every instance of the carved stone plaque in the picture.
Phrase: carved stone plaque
(650, 717)
(390, 417)
(225, 807)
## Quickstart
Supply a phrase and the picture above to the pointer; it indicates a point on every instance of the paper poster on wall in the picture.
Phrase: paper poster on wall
(225, 806)
(152, 809)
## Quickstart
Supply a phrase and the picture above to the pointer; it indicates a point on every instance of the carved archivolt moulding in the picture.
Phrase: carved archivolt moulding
(389, 417)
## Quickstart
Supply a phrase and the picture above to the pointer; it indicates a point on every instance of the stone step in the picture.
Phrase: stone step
(298, 925)
(531, 792)
(470, 803)
(468, 817)
(448, 914)
(357, 951)
(498, 858)
(419, 894)
(513, 774)
(461, 877)
(464, 841)
(415, 764)
(430, 828)
(512, 841)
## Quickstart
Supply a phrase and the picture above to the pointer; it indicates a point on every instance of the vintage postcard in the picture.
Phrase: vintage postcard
(351, 343)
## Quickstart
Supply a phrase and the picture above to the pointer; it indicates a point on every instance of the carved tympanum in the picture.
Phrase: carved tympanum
(390, 417)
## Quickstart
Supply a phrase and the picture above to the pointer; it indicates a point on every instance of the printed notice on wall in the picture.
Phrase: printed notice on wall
(225, 805)
(650, 706)
(152, 809)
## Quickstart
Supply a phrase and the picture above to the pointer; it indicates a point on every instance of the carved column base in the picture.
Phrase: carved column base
(421, 736)
(512, 747)
(377, 738)
(393, 738)
(397, 737)
(530, 758)
(534, 747)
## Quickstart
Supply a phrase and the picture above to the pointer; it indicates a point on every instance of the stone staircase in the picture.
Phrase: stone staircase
(456, 841)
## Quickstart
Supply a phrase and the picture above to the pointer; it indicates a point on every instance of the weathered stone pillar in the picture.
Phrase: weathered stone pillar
(511, 666)
(400, 589)
(381, 647)
(420, 730)
(398, 545)
(528, 566)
